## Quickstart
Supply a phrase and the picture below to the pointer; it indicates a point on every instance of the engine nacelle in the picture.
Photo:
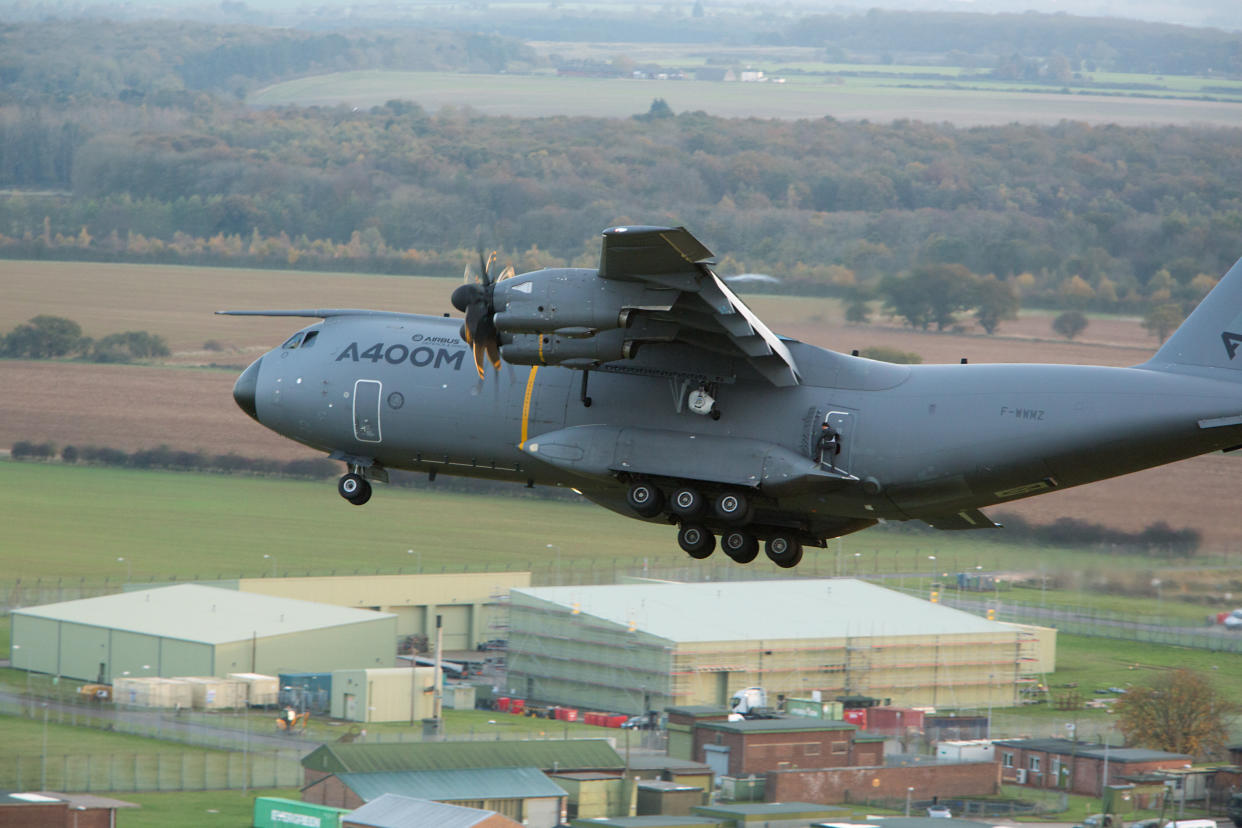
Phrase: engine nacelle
(574, 300)
(550, 349)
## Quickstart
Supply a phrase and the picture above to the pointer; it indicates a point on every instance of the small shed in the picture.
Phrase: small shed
(656, 797)
(594, 793)
(54, 808)
(388, 694)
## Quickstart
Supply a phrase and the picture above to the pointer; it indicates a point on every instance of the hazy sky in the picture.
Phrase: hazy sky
(1225, 14)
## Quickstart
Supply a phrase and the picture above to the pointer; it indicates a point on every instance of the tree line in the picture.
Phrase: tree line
(1071, 216)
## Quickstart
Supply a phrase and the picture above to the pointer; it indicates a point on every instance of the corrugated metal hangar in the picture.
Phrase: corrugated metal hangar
(192, 630)
(465, 601)
(649, 646)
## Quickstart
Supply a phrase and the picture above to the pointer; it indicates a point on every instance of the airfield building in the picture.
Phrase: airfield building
(192, 630)
(641, 647)
(470, 604)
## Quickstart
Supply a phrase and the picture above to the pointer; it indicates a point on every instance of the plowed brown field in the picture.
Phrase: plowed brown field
(131, 407)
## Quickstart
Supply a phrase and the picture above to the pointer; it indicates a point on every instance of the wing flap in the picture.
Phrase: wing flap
(963, 520)
(709, 314)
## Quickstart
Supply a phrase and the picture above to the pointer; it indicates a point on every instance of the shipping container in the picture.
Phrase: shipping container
(856, 716)
(895, 720)
(152, 691)
(812, 709)
(212, 693)
(261, 690)
(274, 812)
(503, 703)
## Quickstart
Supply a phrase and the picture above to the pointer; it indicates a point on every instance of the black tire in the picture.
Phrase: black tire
(364, 494)
(354, 488)
(696, 541)
(732, 507)
(686, 503)
(741, 547)
(645, 499)
(784, 550)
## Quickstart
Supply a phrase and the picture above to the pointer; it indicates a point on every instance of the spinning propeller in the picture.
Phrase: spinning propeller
(475, 298)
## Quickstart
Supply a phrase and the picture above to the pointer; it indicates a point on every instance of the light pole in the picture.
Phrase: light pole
(931, 571)
(43, 780)
(129, 568)
(273, 557)
(420, 559)
(908, 792)
(558, 562)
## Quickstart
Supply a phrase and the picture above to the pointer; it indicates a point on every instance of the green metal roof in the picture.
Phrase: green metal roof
(759, 610)
(566, 755)
(459, 785)
(206, 615)
(797, 725)
(748, 811)
(665, 821)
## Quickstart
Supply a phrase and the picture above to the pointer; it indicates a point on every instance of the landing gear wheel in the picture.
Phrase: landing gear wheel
(696, 541)
(742, 547)
(354, 488)
(645, 499)
(686, 503)
(732, 507)
(784, 551)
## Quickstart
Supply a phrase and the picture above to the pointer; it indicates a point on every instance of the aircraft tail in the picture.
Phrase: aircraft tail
(1211, 337)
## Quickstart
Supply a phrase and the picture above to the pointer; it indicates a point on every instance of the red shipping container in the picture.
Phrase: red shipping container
(617, 721)
(856, 716)
(517, 706)
(502, 704)
(571, 715)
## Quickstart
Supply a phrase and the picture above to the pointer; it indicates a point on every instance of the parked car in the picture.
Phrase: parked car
(939, 812)
(1233, 621)
(1101, 821)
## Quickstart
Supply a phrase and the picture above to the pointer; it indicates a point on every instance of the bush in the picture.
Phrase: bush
(69, 454)
(26, 450)
(128, 346)
(885, 354)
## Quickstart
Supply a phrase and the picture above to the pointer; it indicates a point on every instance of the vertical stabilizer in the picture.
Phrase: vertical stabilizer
(1211, 337)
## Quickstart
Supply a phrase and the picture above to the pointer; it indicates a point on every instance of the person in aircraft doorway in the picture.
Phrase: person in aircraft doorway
(829, 444)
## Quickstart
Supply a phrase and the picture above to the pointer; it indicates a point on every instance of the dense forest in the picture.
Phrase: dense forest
(154, 161)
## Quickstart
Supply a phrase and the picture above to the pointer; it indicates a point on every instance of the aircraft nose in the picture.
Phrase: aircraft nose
(244, 388)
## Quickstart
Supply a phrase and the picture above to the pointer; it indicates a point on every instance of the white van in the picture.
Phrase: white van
(1191, 823)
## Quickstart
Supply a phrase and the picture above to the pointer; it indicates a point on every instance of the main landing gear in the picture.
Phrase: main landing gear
(354, 488)
(730, 512)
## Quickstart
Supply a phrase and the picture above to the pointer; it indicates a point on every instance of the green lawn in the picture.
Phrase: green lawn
(209, 809)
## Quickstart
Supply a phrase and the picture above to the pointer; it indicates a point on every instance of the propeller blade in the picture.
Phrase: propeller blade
(507, 273)
(493, 352)
(479, 353)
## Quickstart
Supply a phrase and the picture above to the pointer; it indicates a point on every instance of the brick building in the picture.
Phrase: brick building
(1075, 767)
(51, 809)
(760, 745)
(837, 785)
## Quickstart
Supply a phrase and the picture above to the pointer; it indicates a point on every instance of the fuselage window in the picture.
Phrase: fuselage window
(309, 339)
(293, 341)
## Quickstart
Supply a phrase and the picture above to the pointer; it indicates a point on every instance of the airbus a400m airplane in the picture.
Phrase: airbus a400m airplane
(648, 386)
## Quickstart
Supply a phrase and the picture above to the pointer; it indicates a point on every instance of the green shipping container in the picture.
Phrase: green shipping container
(811, 709)
(274, 812)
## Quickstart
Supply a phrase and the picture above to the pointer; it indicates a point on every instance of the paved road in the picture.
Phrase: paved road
(188, 729)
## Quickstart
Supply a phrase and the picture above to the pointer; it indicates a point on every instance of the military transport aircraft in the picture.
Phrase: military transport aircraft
(648, 386)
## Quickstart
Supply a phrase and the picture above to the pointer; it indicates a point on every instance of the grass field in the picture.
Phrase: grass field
(209, 809)
(846, 99)
(190, 525)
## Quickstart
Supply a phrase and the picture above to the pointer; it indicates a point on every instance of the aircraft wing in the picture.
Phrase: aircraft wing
(705, 313)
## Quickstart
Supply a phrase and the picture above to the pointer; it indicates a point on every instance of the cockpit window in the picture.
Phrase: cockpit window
(309, 340)
(293, 341)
